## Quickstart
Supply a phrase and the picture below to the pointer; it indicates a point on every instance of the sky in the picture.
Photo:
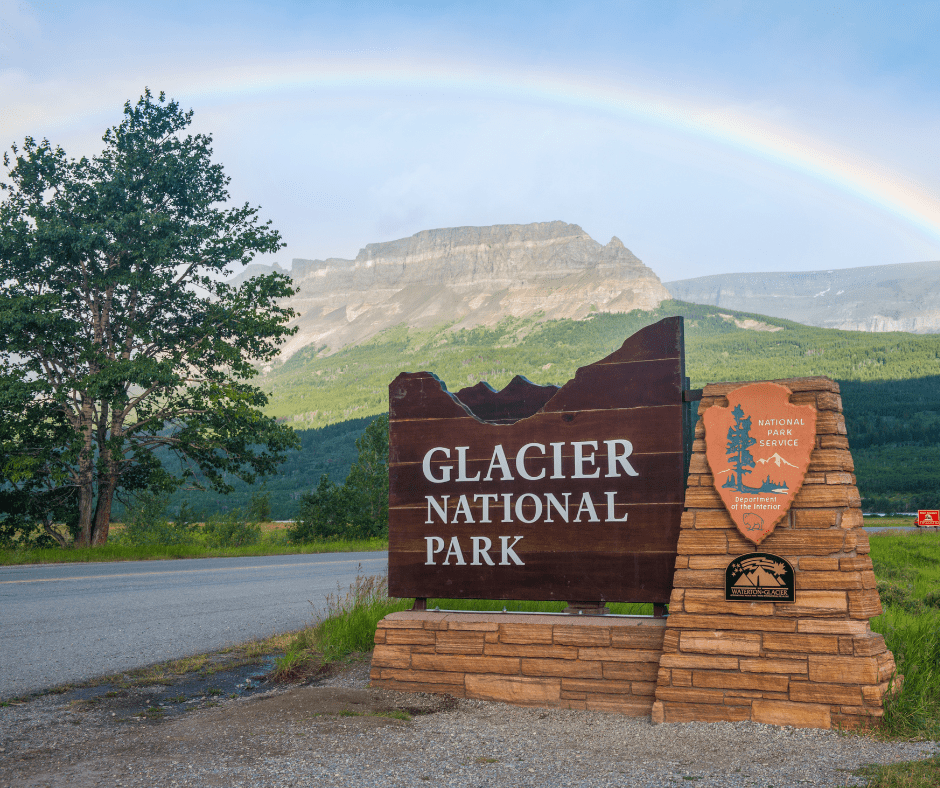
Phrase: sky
(710, 136)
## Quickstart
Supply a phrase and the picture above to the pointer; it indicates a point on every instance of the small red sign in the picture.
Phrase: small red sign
(928, 517)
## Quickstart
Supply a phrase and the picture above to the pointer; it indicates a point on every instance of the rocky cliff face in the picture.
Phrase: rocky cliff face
(468, 275)
(901, 297)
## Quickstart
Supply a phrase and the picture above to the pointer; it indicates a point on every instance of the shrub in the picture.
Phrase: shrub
(231, 530)
(146, 524)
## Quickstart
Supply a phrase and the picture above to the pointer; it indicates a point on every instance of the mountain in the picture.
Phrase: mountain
(465, 276)
(900, 297)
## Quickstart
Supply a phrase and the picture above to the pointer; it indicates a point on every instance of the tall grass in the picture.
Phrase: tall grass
(120, 552)
(907, 566)
(350, 619)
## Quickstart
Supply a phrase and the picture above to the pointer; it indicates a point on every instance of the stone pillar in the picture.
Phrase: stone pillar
(811, 663)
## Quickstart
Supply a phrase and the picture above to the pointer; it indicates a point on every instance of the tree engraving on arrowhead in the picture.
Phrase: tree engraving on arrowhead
(758, 449)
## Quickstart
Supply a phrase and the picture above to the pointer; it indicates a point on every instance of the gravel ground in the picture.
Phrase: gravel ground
(337, 733)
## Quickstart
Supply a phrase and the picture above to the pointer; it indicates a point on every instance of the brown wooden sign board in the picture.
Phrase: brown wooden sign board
(539, 492)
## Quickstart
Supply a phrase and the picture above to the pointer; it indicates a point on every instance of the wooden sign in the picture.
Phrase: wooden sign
(537, 492)
(758, 449)
(756, 577)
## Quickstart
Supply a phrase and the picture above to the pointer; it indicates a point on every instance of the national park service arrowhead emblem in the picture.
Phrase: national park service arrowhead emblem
(758, 449)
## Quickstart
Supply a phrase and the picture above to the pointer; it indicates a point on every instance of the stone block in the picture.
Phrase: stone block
(641, 637)
(682, 562)
(562, 668)
(542, 652)
(709, 601)
(401, 623)
(833, 442)
(684, 621)
(657, 715)
(708, 562)
(839, 477)
(810, 644)
(391, 657)
(618, 655)
(698, 578)
(789, 666)
(874, 694)
(520, 690)
(597, 685)
(525, 633)
(702, 542)
(704, 712)
(704, 661)
(644, 688)
(689, 695)
(631, 671)
(846, 646)
(815, 563)
(741, 643)
(794, 543)
(455, 690)
(699, 464)
(857, 540)
(868, 578)
(681, 678)
(460, 642)
(473, 626)
(379, 637)
(852, 518)
(714, 519)
(825, 626)
(465, 664)
(757, 682)
(827, 495)
(815, 603)
(855, 563)
(823, 460)
(420, 676)
(702, 498)
(436, 626)
(820, 581)
(869, 645)
(864, 604)
(670, 642)
(830, 423)
(833, 694)
(843, 670)
(827, 400)
(799, 715)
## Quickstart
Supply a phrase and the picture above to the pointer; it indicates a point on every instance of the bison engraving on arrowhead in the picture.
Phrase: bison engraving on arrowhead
(758, 449)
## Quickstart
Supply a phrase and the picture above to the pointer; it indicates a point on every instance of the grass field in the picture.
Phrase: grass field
(273, 542)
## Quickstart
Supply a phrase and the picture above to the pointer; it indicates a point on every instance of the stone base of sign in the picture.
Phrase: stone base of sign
(603, 663)
(811, 663)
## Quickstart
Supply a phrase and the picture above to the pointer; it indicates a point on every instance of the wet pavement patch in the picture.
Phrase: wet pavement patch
(129, 697)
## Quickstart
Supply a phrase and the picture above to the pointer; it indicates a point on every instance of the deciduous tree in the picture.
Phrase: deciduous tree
(125, 346)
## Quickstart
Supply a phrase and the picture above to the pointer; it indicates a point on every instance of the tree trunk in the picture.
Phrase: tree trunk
(86, 478)
(106, 488)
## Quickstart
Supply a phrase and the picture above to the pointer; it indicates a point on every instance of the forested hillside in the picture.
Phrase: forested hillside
(890, 384)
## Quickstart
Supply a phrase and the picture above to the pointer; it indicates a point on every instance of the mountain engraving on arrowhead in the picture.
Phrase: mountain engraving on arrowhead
(468, 276)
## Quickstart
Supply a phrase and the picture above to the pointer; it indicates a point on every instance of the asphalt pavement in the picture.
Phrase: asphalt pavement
(65, 623)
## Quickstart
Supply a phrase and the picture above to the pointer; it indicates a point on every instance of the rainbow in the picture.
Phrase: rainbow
(839, 170)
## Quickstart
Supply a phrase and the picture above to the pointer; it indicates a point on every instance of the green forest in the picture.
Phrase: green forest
(890, 385)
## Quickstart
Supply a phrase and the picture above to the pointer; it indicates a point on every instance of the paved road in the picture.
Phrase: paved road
(72, 622)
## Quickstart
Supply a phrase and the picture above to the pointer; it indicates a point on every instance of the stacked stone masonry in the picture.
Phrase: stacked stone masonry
(811, 663)
(602, 663)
